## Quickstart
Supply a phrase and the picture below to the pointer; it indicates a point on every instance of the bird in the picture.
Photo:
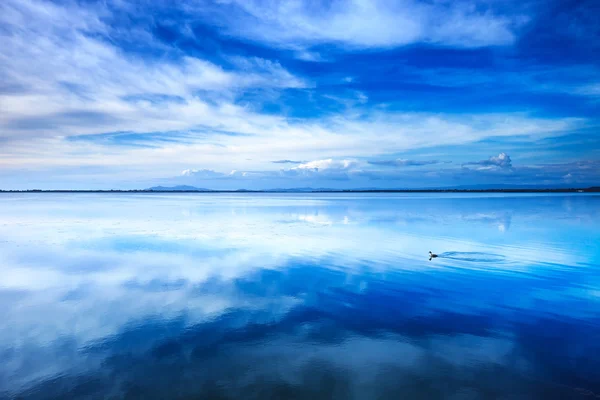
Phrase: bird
(431, 255)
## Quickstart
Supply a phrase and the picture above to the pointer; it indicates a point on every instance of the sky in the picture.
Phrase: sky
(263, 94)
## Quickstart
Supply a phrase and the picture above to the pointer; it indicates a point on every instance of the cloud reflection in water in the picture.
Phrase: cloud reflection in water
(185, 296)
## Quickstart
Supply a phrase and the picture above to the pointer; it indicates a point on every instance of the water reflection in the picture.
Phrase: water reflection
(295, 296)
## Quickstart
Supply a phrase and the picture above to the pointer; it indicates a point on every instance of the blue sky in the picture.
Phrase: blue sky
(270, 94)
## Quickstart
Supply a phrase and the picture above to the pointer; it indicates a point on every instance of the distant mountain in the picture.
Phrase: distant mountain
(180, 188)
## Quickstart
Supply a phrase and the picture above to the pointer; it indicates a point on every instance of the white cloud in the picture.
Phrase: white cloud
(329, 164)
(365, 23)
(264, 138)
(201, 173)
(73, 81)
(502, 161)
(327, 169)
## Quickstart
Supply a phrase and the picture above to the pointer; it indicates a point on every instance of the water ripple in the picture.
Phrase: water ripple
(473, 256)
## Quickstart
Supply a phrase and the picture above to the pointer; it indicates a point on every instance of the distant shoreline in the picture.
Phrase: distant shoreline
(568, 190)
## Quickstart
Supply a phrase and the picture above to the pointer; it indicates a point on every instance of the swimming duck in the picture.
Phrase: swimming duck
(431, 255)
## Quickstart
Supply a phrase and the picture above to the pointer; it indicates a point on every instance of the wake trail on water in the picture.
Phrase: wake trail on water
(472, 256)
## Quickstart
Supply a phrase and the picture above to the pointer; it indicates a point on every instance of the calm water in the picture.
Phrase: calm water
(109, 296)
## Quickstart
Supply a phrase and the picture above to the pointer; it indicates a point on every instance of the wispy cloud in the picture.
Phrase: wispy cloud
(89, 81)
(287, 162)
(364, 24)
(405, 163)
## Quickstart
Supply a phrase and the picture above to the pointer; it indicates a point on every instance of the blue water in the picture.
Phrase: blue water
(333, 296)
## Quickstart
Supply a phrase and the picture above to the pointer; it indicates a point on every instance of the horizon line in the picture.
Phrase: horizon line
(587, 189)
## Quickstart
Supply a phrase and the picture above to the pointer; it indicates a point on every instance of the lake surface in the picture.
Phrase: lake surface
(299, 296)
